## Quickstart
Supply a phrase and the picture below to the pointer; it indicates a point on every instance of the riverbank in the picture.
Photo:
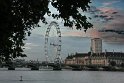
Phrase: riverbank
(70, 69)
(108, 68)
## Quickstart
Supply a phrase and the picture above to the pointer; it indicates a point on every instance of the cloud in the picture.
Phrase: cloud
(117, 23)
(29, 46)
(74, 33)
(114, 30)
(111, 21)
(108, 10)
(26, 48)
(112, 37)
(93, 33)
(104, 14)
(93, 9)
(109, 3)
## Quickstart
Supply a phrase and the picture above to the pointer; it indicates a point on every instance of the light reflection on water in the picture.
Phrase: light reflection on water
(65, 76)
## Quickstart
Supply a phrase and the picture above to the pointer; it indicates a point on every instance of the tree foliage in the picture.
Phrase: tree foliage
(113, 63)
(122, 65)
(19, 17)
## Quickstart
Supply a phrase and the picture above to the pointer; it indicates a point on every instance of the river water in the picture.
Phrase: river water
(65, 76)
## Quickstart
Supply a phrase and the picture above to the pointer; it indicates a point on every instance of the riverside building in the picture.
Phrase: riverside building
(96, 57)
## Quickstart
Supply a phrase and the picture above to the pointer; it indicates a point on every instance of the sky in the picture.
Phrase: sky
(108, 24)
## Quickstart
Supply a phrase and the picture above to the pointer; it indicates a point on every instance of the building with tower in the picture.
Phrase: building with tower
(96, 57)
(96, 45)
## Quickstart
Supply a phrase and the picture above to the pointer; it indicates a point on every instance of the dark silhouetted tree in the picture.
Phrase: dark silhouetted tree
(122, 65)
(113, 63)
(19, 17)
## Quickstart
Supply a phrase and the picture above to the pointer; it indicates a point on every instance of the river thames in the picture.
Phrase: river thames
(64, 76)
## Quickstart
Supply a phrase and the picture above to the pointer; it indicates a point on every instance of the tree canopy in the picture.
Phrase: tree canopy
(19, 17)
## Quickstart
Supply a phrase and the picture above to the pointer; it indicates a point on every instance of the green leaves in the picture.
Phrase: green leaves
(70, 8)
(19, 17)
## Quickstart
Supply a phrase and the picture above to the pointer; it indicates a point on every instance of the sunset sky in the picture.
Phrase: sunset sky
(108, 24)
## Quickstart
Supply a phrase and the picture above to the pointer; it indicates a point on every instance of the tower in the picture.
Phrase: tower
(96, 45)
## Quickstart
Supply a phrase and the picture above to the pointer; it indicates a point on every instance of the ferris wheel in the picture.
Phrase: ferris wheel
(53, 42)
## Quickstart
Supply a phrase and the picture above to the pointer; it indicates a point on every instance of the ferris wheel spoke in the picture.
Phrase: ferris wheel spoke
(54, 42)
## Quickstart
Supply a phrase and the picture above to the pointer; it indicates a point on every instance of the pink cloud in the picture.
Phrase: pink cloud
(110, 3)
(93, 32)
(116, 23)
(74, 33)
(108, 10)
(105, 14)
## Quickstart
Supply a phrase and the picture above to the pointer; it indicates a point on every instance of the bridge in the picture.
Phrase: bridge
(54, 66)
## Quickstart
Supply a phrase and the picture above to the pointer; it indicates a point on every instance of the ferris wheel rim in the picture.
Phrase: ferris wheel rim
(53, 23)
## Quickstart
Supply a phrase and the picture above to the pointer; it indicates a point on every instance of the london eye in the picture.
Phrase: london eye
(53, 43)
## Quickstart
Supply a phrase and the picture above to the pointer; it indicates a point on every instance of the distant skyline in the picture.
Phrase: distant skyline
(107, 18)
